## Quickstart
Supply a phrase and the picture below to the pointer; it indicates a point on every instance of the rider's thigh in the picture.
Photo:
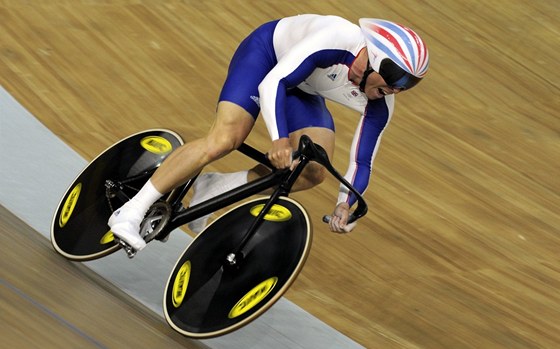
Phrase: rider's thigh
(313, 174)
(230, 128)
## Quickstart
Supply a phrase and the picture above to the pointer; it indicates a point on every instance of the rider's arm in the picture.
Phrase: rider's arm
(365, 145)
(301, 49)
(310, 52)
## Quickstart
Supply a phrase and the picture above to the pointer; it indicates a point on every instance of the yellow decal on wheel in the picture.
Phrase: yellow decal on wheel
(156, 144)
(107, 238)
(253, 297)
(180, 284)
(69, 205)
(277, 213)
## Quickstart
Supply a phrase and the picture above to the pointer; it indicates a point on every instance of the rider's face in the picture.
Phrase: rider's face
(376, 87)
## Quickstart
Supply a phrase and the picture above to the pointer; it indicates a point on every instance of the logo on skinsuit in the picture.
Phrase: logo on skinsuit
(277, 213)
(180, 284)
(156, 144)
(253, 297)
(69, 205)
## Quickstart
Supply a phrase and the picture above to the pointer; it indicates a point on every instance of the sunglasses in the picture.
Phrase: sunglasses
(396, 77)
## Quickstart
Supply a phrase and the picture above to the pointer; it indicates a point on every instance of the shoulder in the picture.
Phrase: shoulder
(332, 31)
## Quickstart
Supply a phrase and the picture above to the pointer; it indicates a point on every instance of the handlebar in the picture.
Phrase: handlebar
(309, 151)
(314, 152)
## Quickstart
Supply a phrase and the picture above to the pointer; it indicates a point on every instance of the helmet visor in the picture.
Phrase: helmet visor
(396, 77)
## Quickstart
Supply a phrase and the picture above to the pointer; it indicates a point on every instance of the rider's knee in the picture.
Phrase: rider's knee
(218, 147)
(315, 175)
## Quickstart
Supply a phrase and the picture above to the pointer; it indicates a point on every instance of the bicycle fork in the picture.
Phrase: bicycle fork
(236, 257)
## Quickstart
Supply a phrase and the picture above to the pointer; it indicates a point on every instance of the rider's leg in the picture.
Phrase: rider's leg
(209, 185)
(231, 126)
(307, 114)
(236, 113)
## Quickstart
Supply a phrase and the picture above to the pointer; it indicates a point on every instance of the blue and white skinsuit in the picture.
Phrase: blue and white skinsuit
(287, 68)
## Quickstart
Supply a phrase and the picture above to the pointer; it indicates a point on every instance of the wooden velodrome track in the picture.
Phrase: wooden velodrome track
(461, 246)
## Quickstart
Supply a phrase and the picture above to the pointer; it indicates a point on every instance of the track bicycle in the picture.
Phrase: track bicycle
(236, 268)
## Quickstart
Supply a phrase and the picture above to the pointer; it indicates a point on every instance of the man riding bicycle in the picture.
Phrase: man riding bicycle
(285, 70)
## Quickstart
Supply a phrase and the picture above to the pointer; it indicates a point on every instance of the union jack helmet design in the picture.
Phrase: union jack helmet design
(400, 45)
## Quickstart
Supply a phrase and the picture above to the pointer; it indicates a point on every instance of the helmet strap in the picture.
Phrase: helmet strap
(367, 72)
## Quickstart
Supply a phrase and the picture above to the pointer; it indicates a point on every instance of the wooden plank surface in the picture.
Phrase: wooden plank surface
(49, 302)
(460, 248)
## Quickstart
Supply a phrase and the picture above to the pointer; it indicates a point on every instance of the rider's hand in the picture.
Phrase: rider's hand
(339, 219)
(281, 153)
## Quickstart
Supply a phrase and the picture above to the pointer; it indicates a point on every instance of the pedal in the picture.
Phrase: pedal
(130, 251)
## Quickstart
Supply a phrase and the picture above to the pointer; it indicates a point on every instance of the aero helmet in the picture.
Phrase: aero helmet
(396, 52)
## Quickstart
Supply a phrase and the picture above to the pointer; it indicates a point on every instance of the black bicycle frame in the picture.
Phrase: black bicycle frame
(281, 179)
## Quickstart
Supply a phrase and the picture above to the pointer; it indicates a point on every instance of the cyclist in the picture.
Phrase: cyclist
(285, 70)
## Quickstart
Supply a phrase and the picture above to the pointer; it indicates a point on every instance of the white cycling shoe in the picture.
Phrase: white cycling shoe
(125, 225)
(207, 186)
